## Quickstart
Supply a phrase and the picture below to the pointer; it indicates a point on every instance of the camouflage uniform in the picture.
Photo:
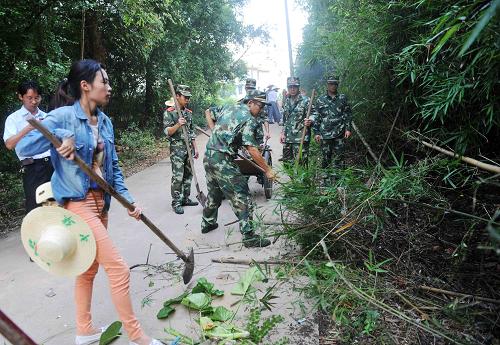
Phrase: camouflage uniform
(234, 128)
(262, 118)
(294, 113)
(181, 169)
(332, 120)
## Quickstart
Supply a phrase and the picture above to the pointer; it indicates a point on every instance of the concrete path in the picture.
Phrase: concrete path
(24, 288)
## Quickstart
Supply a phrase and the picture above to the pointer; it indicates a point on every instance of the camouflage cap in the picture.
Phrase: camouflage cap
(250, 83)
(256, 95)
(293, 81)
(184, 90)
(332, 79)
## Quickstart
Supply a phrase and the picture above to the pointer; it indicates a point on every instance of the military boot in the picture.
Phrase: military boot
(189, 202)
(209, 228)
(178, 208)
(253, 240)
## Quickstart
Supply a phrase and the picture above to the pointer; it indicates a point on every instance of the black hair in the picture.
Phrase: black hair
(69, 89)
(27, 85)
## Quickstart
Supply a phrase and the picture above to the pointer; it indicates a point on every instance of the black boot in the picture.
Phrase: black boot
(189, 202)
(209, 228)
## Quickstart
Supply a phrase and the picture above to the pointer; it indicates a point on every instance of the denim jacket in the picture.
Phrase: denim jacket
(69, 182)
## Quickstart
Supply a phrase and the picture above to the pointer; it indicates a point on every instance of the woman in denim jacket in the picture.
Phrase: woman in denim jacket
(88, 132)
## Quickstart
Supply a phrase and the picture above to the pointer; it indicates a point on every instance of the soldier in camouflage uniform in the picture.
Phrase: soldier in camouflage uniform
(332, 124)
(234, 128)
(181, 169)
(262, 128)
(295, 108)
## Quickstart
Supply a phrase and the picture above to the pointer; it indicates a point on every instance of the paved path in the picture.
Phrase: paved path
(50, 320)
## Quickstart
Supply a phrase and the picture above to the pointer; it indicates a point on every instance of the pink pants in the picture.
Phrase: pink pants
(116, 269)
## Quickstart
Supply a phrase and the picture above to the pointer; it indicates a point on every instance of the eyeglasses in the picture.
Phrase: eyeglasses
(36, 99)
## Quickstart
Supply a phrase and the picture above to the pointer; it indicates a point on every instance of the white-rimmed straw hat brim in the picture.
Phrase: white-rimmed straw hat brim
(58, 240)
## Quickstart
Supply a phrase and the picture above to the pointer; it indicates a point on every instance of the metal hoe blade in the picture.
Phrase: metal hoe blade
(187, 274)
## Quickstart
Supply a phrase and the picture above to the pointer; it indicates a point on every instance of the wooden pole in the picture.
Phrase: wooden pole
(304, 131)
(12, 332)
(484, 166)
(289, 39)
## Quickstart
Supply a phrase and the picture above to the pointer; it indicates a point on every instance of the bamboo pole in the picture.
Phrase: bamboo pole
(458, 294)
(363, 140)
(484, 166)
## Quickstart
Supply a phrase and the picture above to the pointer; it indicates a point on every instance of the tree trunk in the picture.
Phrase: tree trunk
(94, 43)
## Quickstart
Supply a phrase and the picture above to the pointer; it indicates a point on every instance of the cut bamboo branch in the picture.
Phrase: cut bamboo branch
(423, 316)
(250, 262)
(363, 140)
(458, 294)
(484, 166)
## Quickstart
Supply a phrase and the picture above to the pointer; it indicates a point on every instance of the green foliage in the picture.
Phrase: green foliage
(11, 196)
(141, 43)
(326, 289)
(438, 60)
(197, 301)
(321, 207)
(257, 331)
(111, 333)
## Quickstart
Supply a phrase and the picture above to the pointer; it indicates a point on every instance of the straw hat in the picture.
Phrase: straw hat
(44, 193)
(58, 240)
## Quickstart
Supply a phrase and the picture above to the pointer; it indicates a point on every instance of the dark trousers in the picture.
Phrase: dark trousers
(35, 174)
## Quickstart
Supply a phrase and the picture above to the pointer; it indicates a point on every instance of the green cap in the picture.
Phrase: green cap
(293, 81)
(332, 79)
(250, 83)
(255, 95)
(184, 90)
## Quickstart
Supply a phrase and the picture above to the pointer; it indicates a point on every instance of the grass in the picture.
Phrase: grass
(395, 245)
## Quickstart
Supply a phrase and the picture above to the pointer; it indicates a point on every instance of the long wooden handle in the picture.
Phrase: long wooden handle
(309, 108)
(12, 332)
(185, 135)
(107, 188)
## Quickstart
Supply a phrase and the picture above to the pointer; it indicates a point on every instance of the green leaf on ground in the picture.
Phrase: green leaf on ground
(206, 323)
(221, 314)
(203, 285)
(218, 293)
(111, 333)
(175, 300)
(227, 332)
(251, 276)
(197, 301)
(165, 312)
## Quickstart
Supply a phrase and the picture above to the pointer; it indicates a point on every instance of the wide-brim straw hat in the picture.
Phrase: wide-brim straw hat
(58, 240)
(170, 102)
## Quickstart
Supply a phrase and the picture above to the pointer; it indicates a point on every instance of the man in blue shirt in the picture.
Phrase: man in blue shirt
(36, 169)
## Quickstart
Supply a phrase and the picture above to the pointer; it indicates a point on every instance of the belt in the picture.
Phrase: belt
(29, 161)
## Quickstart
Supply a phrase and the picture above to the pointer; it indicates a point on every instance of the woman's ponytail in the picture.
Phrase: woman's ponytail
(62, 96)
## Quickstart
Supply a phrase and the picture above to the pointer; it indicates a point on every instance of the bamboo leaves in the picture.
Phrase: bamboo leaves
(485, 19)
